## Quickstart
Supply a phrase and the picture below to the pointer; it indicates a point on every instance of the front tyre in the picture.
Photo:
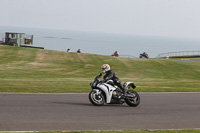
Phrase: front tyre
(134, 98)
(96, 98)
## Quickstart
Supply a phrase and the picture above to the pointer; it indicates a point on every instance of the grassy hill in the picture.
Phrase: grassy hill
(38, 70)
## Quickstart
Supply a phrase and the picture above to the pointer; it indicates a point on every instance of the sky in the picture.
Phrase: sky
(168, 18)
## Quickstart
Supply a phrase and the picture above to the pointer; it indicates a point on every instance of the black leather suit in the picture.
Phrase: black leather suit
(110, 75)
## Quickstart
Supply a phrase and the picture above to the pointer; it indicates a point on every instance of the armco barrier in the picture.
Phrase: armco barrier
(179, 53)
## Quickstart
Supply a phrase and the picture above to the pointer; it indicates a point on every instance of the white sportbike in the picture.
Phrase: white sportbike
(107, 92)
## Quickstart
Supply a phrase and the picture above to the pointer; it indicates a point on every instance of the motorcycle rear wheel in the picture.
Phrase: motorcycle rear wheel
(135, 100)
(96, 99)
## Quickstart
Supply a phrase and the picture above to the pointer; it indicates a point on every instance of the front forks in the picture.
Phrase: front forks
(97, 93)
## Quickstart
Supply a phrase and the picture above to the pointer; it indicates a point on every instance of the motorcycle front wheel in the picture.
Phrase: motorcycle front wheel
(96, 99)
(134, 100)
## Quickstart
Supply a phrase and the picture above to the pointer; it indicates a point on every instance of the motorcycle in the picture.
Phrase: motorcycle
(144, 55)
(107, 92)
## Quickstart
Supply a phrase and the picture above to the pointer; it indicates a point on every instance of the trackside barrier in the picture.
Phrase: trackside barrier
(179, 53)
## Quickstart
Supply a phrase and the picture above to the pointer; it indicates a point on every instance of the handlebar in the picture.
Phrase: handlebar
(98, 76)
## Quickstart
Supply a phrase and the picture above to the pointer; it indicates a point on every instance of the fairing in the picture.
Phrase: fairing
(108, 89)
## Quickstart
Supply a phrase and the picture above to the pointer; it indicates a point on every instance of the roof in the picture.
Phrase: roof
(14, 33)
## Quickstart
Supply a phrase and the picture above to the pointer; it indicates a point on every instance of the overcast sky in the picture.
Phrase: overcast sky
(173, 18)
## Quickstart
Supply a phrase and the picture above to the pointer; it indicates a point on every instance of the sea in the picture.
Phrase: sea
(104, 43)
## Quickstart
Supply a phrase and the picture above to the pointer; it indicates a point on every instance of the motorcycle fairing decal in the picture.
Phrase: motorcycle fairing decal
(107, 89)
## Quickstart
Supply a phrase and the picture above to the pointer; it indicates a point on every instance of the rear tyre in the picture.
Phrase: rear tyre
(134, 99)
(96, 99)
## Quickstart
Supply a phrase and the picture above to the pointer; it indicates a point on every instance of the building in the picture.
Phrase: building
(18, 39)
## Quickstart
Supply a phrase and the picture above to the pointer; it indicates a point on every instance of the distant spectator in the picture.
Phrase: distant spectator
(116, 54)
(68, 50)
(79, 51)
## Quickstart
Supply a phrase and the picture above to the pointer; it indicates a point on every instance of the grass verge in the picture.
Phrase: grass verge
(47, 71)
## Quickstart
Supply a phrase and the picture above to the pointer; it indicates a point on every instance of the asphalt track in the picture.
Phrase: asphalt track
(39, 112)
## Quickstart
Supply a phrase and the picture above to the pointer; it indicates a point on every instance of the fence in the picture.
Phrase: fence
(179, 53)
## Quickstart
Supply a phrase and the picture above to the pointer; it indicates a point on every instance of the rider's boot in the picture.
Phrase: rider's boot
(124, 92)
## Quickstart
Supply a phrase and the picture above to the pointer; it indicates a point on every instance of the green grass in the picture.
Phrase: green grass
(38, 70)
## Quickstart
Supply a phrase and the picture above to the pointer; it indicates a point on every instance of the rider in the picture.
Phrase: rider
(110, 75)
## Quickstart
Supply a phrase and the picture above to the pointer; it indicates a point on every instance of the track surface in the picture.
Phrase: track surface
(37, 112)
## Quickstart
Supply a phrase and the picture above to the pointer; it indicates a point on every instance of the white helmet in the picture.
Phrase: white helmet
(105, 68)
